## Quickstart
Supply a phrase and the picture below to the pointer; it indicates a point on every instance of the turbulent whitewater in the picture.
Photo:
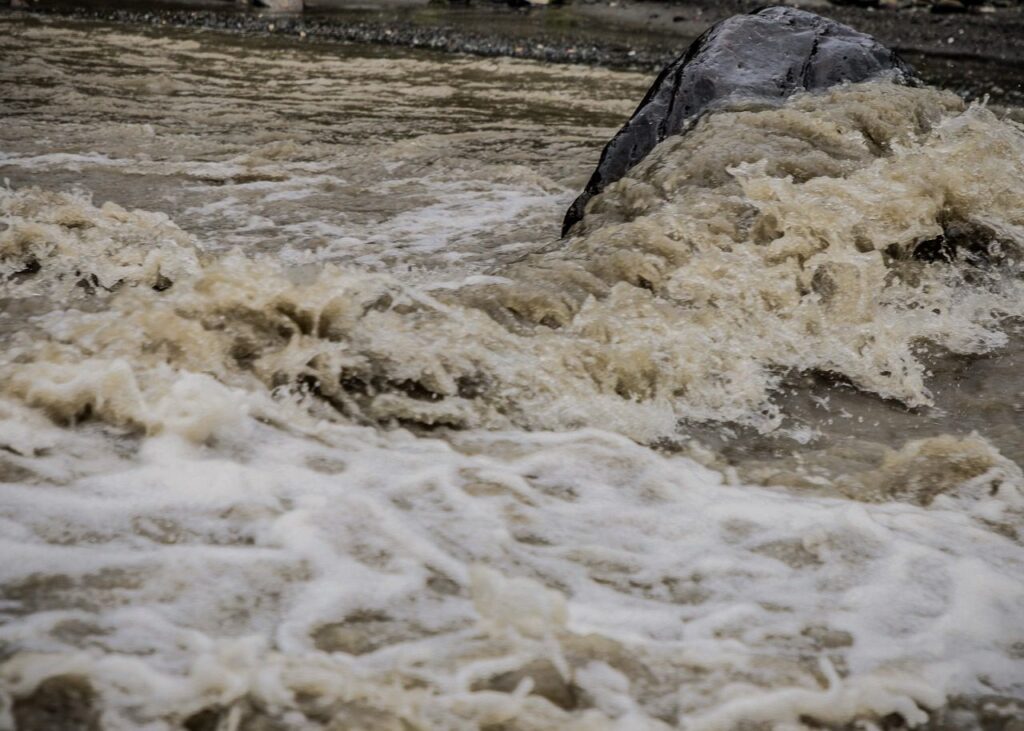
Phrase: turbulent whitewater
(309, 420)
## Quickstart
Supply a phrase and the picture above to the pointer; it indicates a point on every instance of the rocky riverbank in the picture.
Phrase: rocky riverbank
(974, 53)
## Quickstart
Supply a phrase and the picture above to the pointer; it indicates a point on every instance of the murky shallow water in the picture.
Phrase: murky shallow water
(308, 421)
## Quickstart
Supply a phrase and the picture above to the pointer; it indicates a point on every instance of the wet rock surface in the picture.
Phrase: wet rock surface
(242, 715)
(60, 703)
(281, 6)
(765, 56)
(545, 679)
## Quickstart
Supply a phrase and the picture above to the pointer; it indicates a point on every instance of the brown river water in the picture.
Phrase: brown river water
(308, 419)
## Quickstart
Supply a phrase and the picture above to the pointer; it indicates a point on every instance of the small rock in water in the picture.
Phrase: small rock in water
(548, 683)
(948, 6)
(283, 6)
(60, 703)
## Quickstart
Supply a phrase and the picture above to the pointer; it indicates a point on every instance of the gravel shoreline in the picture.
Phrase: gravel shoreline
(403, 33)
(974, 54)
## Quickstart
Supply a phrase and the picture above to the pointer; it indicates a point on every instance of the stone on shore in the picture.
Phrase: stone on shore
(281, 6)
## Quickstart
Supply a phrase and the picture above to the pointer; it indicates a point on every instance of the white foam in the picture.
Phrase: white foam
(924, 601)
(206, 501)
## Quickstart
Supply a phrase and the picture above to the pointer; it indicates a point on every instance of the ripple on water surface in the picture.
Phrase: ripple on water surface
(307, 420)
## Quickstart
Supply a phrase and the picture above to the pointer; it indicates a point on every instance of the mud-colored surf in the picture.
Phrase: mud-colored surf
(308, 419)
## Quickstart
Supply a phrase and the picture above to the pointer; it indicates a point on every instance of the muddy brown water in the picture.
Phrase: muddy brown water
(309, 420)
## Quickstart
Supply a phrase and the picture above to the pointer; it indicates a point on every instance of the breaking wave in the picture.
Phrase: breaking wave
(840, 233)
(242, 493)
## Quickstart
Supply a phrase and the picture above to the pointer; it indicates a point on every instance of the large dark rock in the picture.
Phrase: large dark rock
(767, 55)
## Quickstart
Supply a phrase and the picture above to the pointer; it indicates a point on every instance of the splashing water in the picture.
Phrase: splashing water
(315, 425)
